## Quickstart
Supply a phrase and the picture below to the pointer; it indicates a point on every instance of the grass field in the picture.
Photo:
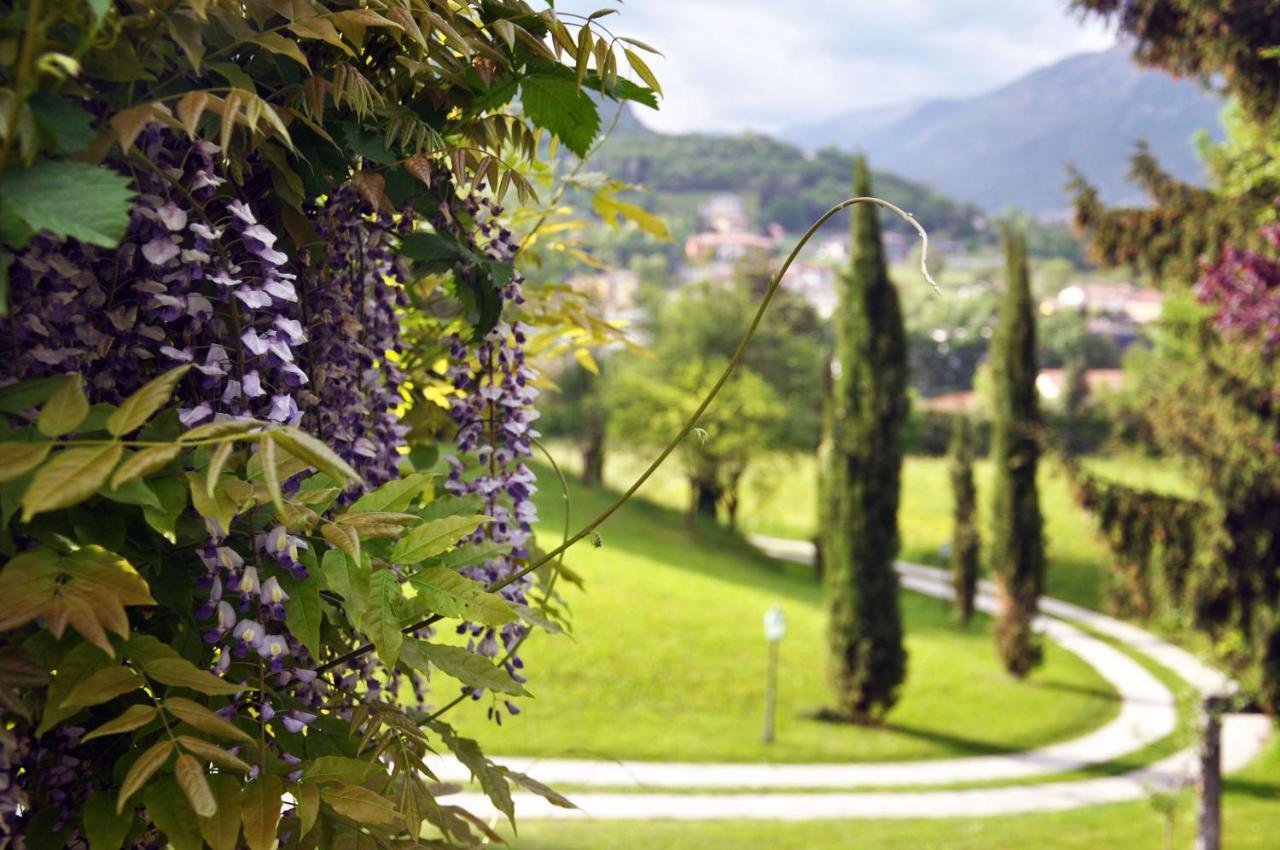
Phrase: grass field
(669, 662)
(778, 499)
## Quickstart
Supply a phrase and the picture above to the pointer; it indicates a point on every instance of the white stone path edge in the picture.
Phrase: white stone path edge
(1148, 713)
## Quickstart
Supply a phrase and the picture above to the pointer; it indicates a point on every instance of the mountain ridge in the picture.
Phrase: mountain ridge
(1011, 145)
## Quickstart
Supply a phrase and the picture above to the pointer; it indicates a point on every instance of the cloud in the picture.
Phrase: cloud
(733, 65)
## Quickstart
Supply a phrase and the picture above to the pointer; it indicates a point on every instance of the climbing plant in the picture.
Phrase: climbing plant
(225, 226)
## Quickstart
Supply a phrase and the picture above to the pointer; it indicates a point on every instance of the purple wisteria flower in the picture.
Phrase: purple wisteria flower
(494, 413)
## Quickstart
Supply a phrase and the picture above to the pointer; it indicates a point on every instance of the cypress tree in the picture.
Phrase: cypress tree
(860, 541)
(1017, 534)
(964, 534)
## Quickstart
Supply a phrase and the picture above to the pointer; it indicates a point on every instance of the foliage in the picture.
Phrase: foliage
(861, 479)
(1220, 42)
(653, 399)
(965, 542)
(1208, 389)
(226, 226)
(1017, 532)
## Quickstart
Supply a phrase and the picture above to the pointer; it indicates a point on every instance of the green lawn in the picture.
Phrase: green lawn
(779, 496)
(1251, 822)
(669, 662)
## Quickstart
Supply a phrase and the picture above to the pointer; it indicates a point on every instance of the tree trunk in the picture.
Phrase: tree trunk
(706, 497)
(593, 454)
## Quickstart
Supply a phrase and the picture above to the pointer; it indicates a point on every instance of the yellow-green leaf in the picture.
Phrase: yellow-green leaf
(456, 661)
(260, 811)
(271, 470)
(65, 409)
(212, 753)
(181, 673)
(642, 69)
(314, 452)
(277, 43)
(72, 476)
(133, 717)
(104, 685)
(194, 714)
(138, 408)
(143, 463)
(142, 770)
(361, 805)
(344, 537)
(308, 806)
(195, 785)
(336, 769)
(433, 537)
(217, 461)
(17, 459)
(443, 591)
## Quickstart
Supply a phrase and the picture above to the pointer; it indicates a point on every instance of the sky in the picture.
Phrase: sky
(763, 65)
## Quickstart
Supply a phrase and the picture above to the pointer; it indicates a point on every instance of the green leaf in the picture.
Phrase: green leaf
(337, 769)
(270, 471)
(142, 770)
(562, 107)
(469, 554)
(65, 409)
(71, 477)
(455, 661)
(221, 831)
(135, 410)
(172, 814)
(435, 253)
(260, 811)
(442, 591)
(181, 673)
(195, 785)
(134, 492)
(302, 610)
(103, 686)
(104, 827)
(381, 621)
(361, 805)
(75, 199)
(433, 537)
(72, 669)
(69, 126)
(17, 459)
(551, 795)
(133, 717)
(492, 779)
(28, 394)
(196, 715)
(395, 495)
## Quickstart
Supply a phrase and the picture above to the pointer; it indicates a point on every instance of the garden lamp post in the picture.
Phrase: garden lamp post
(775, 626)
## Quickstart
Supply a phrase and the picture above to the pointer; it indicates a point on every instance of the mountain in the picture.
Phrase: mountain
(1012, 145)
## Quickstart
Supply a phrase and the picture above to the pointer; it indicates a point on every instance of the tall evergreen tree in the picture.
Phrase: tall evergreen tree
(860, 541)
(964, 535)
(1017, 534)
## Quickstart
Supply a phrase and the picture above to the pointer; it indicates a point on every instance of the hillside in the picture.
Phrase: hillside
(783, 183)
(1011, 145)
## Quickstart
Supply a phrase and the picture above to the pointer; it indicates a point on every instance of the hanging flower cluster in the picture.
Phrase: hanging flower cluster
(1244, 288)
(351, 301)
(494, 414)
(201, 284)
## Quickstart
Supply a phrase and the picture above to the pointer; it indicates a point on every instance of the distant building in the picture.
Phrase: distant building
(1051, 383)
(615, 290)
(815, 283)
(725, 247)
(724, 213)
(1138, 305)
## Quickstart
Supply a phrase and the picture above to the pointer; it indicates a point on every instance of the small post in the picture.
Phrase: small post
(1209, 781)
(775, 626)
